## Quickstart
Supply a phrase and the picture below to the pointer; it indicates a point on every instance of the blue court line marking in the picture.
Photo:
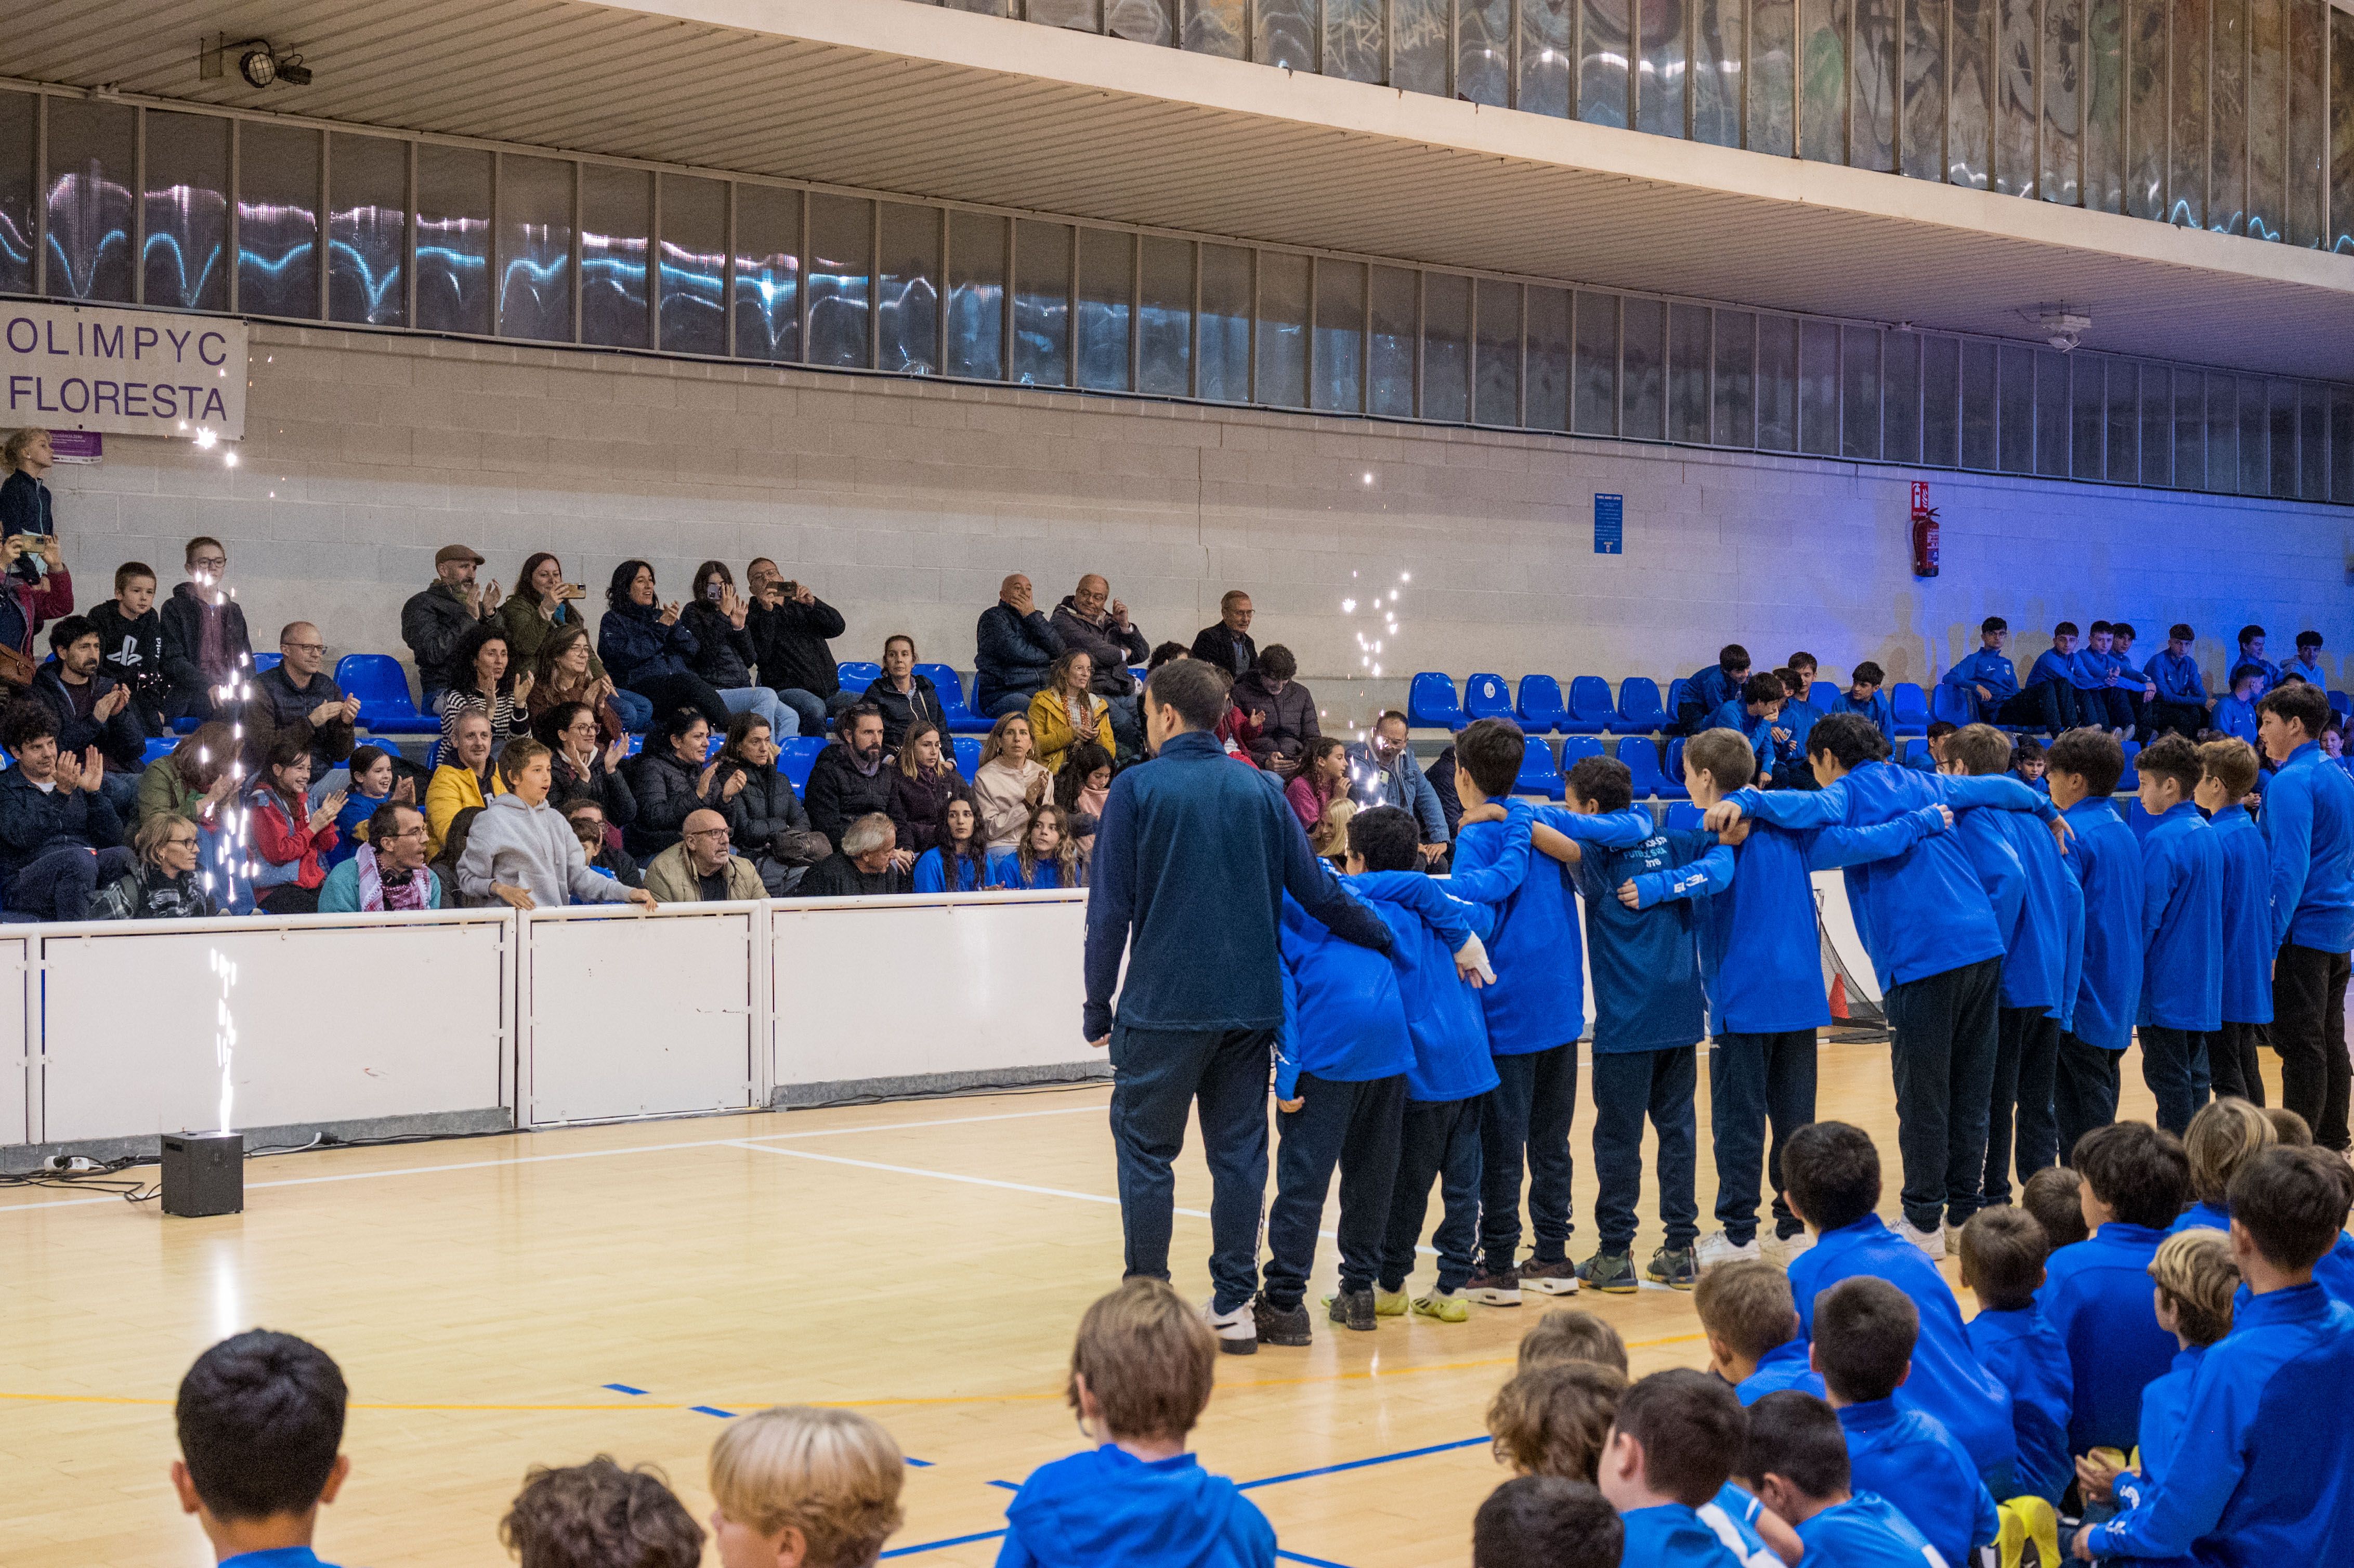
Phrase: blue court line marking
(1312, 1561)
(713, 1410)
(938, 1545)
(921, 1464)
(1360, 1464)
(1009, 1486)
(624, 1388)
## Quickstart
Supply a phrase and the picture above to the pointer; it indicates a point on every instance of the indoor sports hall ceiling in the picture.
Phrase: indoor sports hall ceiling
(890, 96)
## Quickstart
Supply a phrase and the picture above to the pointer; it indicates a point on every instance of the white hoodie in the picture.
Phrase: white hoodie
(533, 848)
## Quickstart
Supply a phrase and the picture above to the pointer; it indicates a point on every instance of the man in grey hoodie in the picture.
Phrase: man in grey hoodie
(524, 853)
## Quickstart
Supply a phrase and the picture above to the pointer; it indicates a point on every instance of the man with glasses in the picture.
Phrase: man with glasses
(207, 653)
(1383, 772)
(389, 871)
(296, 692)
(698, 869)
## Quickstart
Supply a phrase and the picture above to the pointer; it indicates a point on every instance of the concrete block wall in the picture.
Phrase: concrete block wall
(902, 502)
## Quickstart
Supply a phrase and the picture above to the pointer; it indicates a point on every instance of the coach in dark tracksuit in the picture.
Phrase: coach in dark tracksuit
(1193, 857)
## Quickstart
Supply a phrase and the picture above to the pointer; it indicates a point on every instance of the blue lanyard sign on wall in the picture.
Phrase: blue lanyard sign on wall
(1609, 524)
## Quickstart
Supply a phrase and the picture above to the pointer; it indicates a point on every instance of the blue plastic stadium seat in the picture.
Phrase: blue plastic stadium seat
(263, 661)
(1683, 817)
(1430, 703)
(382, 687)
(160, 747)
(1487, 697)
(1538, 775)
(433, 757)
(1823, 697)
(2341, 705)
(1912, 706)
(1675, 699)
(857, 674)
(1577, 747)
(2130, 779)
(1952, 705)
(967, 755)
(1671, 774)
(1540, 706)
(961, 719)
(795, 758)
(1591, 711)
(1639, 710)
(1642, 760)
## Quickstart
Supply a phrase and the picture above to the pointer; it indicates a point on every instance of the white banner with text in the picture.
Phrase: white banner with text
(140, 373)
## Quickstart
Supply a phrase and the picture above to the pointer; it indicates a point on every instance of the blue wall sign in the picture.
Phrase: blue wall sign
(1609, 524)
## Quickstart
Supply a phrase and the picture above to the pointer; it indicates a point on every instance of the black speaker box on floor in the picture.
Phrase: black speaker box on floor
(203, 1173)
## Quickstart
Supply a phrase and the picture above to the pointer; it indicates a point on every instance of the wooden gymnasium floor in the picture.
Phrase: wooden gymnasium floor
(504, 1301)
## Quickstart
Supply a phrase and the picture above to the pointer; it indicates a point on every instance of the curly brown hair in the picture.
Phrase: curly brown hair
(598, 1515)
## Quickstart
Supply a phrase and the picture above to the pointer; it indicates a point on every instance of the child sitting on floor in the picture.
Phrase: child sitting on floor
(260, 1419)
(598, 1515)
(1544, 1521)
(2053, 1196)
(798, 1484)
(2003, 1251)
(1673, 1447)
(2195, 1279)
(1796, 1459)
(1554, 1420)
(1753, 1330)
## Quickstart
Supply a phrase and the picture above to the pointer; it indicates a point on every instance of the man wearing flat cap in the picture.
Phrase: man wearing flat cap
(435, 621)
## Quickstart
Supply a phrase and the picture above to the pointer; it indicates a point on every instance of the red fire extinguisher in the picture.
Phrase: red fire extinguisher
(1925, 531)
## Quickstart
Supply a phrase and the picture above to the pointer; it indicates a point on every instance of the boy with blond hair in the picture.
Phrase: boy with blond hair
(1752, 1323)
(1567, 1334)
(799, 1485)
(2227, 772)
(2195, 1279)
(1141, 1374)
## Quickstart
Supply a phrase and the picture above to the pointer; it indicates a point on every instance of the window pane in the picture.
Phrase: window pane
(907, 293)
(1823, 79)
(2268, 120)
(977, 297)
(2186, 180)
(2016, 51)
(1777, 384)
(1716, 71)
(1282, 330)
(535, 247)
(2190, 431)
(1602, 77)
(1164, 322)
(2124, 419)
(1819, 387)
(1772, 120)
(1643, 376)
(1941, 402)
(367, 227)
(1042, 303)
(18, 181)
(2146, 79)
(1900, 407)
(2282, 480)
(1286, 34)
(2312, 442)
(92, 151)
(2222, 433)
(1340, 336)
(767, 273)
(840, 268)
(1549, 360)
(1142, 21)
(2089, 422)
(1483, 52)
(2015, 410)
(1395, 293)
(2227, 101)
(692, 266)
(2105, 90)
(1688, 373)
(2309, 118)
(2051, 413)
(2340, 234)
(1212, 28)
(1859, 393)
(454, 239)
(2157, 426)
(1596, 410)
(1446, 347)
(1969, 127)
(1978, 404)
(1736, 420)
(1353, 40)
(2341, 438)
(1499, 348)
(2255, 467)
(1418, 45)
(1545, 55)
(277, 221)
(1106, 282)
(186, 202)
(616, 216)
(1874, 145)
(1925, 89)
(1225, 368)
(1085, 14)
(2063, 59)
(1659, 81)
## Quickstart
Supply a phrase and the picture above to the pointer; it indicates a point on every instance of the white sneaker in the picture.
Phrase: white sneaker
(1781, 1250)
(1717, 1248)
(1238, 1331)
(1932, 1242)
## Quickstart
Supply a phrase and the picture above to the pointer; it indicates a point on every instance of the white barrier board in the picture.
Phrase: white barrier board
(18, 1067)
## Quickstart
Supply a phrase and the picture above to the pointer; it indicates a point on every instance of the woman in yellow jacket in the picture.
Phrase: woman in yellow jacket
(464, 779)
(1066, 712)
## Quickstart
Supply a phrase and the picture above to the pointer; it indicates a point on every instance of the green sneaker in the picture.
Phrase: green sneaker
(1673, 1268)
(1443, 1305)
(1388, 1303)
(1612, 1273)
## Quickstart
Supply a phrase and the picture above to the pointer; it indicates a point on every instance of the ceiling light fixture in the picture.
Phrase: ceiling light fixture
(262, 63)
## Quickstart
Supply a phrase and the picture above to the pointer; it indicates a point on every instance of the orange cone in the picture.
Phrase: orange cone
(1839, 999)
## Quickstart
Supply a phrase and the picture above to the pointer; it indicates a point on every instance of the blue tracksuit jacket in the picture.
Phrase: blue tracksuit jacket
(2043, 951)
(932, 873)
(2309, 823)
(1443, 1018)
(1673, 1536)
(2265, 1473)
(2310, 671)
(1344, 1017)
(2027, 1357)
(1907, 1456)
(2177, 678)
(2108, 866)
(2234, 718)
(1865, 1532)
(1760, 959)
(2165, 1405)
(1877, 708)
(2272, 671)
(2182, 923)
(1784, 1366)
(1757, 729)
(2097, 1298)
(1107, 1505)
(1986, 668)
(1888, 895)
(1797, 722)
(1647, 990)
(2051, 666)
(1947, 1380)
(2248, 947)
(1708, 689)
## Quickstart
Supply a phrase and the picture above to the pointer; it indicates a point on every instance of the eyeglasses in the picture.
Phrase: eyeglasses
(303, 647)
(209, 563)
(415, 833)
(708, 834)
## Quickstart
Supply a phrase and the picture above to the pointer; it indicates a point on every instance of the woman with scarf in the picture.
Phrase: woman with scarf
(389, 872)
(587, 767)
(166, 886)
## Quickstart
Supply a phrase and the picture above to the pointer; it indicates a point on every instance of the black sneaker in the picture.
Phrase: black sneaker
(1355, 1309)
(1500, 1288)
(1558, 1277)
(1673, 1268)
(1612, 1273)
(1280, 1325)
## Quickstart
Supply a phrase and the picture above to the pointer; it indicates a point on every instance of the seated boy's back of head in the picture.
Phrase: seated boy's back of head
(1686, 1428)
(1386, 839)
(2136, 1171)
(1545, 1522)
(2291, 1205)
(598, 1515)
(1554, 1420)
(1833, 1172)
(1568, 1334)
(2003, 1250)
(2051, 1196)
(1865, 1332)
(1747, 1307)
(833, 1476)
(260, 1421)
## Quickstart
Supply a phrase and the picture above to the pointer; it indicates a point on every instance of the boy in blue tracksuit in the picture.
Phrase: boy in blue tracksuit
(1341, 1060)
(1710, 688)
(2040, 907)
(2195, 1280)
(1535, 1013)
(1674, 1444)
(1988, 678)
(1753, 714)
(2228, 771)
(2083, 767)
(1939, 977)
(1752, 1324)
(2265, 1473)
(2182, 933)
(1437, 949)
(2235, 715)
(1865, 1334)
(2052, 683)
(1834, 1173)
(1790, 732)
(2307, 666)
(1796, 1459)
(2180, 700)
(1864, 696)
(2100, 692)
(2251, 651)
(2003, 1253)
(2096, 1293)
(1761, 966)
(2308, 822)
(2139, 690)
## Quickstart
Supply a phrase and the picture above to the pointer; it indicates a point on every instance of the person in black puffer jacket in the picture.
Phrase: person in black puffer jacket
(922, 781)
(852, 777)
(765, 821)
(668, 779)
(904, 695)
